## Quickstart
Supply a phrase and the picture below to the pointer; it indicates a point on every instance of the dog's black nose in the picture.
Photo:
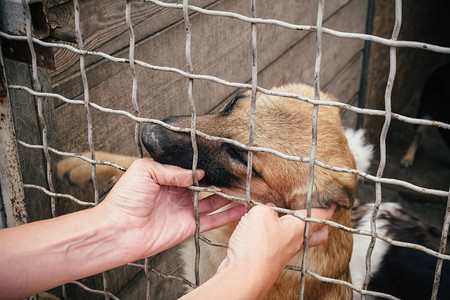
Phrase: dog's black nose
(175, 148)
(167, 146)
(151, 135)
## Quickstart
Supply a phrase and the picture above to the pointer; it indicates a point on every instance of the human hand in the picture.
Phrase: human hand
(154, 209)
(263, 243)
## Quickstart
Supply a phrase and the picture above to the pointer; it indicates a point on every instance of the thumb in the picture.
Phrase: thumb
(317, 213)
(167, 174)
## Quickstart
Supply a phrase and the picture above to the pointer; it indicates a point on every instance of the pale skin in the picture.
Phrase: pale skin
(259, 249)
(148, 211)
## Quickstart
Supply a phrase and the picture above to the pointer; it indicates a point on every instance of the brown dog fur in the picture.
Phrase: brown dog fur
(283, 124)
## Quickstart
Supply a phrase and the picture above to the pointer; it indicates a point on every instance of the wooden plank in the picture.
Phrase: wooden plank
(345, 84)
(221, 47)
(12, 198)
(297, 65)
(341, 65)
(104, 28)
(225, 38)
(345, 87)
(27, 129)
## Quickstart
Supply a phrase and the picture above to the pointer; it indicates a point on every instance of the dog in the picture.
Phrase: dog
(434, 105)
(402, 272)
(283, 124)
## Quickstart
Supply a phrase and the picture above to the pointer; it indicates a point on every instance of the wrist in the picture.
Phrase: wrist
(95, 239)
(253, 278)
(232, 282)
(115, 234)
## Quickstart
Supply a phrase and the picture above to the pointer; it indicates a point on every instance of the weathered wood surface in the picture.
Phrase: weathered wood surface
(27, 129)
(220, 47)
(337, 56)
(104, 28)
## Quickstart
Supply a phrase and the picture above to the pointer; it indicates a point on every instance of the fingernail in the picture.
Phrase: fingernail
(200, 173)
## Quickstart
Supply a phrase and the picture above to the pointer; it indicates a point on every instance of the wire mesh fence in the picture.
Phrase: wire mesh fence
(319, 29)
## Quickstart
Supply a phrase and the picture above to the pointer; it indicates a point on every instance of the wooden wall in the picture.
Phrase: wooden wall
(220, 47)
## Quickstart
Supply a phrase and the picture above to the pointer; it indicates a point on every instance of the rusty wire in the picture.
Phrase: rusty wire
(312, 155)
(442, 247)
(134, 100)
(383, 135)
(137, 113)
(187, 24)
(87, 109)
(393, 43)
(365, 111)
(254, 84)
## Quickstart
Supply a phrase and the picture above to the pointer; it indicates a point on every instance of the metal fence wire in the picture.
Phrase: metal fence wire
(393, 43)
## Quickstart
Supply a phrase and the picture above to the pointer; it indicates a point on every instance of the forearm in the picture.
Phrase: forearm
(235, 282)
(45, 254)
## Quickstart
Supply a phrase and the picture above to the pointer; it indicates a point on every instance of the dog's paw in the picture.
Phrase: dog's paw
(79, 172)
(74, 170)
(406, 161)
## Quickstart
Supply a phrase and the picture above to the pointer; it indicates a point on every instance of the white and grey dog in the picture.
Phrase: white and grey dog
(401, 272)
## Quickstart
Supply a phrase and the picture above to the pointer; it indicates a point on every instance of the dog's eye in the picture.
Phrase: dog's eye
(230, 105)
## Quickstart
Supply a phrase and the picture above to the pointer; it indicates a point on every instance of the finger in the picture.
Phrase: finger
(323, 213)
(264, 210)
(316, 213)
(272, 205)
(211, 203)
(208, 222)
(294, 223)
(319, 237)
(167, 174)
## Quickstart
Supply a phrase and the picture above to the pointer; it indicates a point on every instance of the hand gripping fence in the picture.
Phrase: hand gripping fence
(393, 43)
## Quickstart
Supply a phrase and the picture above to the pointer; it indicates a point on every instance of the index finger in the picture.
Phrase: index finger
(164, 174)
(323, 213)
(316, 213)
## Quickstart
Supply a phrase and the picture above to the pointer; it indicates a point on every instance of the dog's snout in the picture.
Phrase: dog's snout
(175, 148)
(171, 119)
(167, 146)
(150, 139)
